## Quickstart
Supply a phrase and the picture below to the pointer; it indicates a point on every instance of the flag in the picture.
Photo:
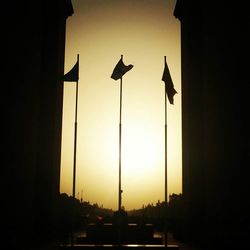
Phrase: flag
(120, 69)
(169, 86)
(73, 74)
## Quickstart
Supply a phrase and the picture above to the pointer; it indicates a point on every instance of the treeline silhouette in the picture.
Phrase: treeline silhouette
(158, 214)
(74, 215)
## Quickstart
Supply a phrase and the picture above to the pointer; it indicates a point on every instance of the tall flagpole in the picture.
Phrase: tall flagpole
(166, 166)
(120, 148)
(75, 139)
(166, 163)
(169, 93)
(166, 146)
(119, 70)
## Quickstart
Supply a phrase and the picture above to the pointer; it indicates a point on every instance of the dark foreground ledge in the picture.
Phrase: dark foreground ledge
(137, 246)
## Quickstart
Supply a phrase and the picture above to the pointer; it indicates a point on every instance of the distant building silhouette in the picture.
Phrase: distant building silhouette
(34, 48)
(215, 123)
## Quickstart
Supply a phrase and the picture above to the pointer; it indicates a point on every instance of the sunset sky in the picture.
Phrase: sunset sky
(143, 31)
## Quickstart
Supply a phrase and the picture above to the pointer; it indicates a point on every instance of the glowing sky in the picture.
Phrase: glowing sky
(144, 31)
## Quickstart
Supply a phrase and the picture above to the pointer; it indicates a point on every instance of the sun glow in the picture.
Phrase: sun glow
(140, 151)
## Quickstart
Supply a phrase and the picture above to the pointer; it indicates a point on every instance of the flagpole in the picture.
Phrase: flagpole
(73, 76)
(74, 160)
(120, 147)
(166, 163)
(75, 138)
(166, 146)
(119, 70)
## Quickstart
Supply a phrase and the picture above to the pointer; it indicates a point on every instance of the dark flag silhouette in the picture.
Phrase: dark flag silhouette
(169, 86)
(120, 69)
(73, 74)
